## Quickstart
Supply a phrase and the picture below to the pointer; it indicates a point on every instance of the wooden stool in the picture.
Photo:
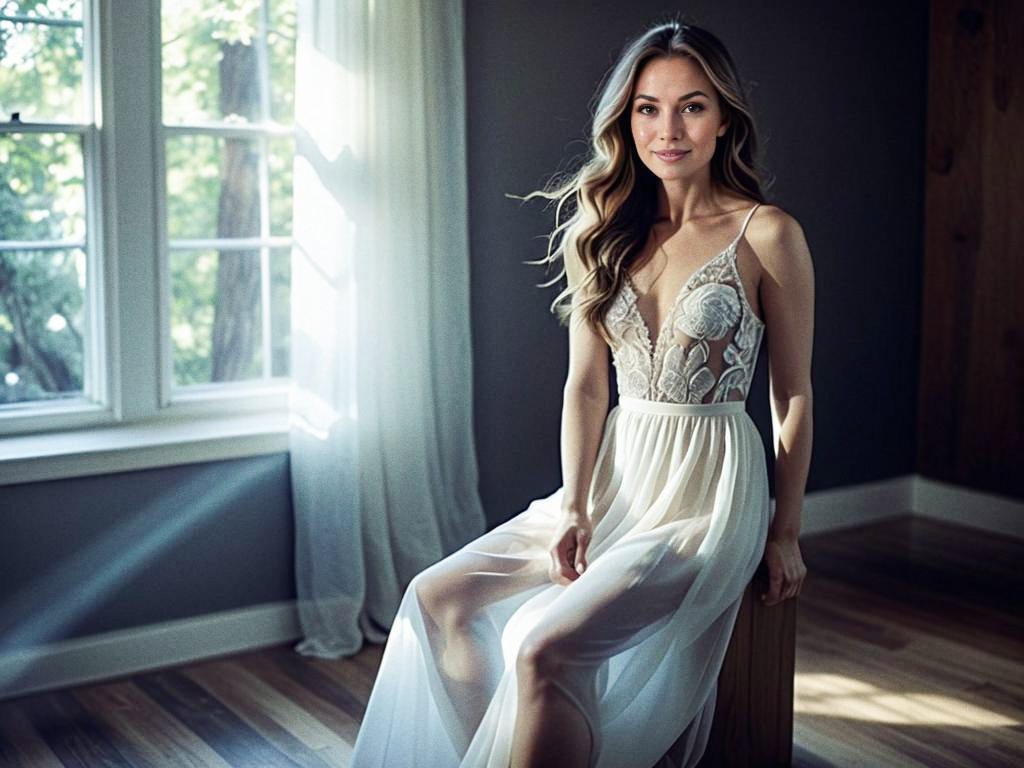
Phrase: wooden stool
(753, 723)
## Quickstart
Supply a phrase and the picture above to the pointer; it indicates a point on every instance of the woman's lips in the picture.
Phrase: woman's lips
(671, 156)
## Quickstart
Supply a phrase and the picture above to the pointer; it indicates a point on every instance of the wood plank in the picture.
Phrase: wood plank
(76, 736)
(880, 694)
(884, 610)
(850, 748)
(909, 572)
(354, 677)
(157, 738)
(294, 730)
(226, 733)
(869, 608)
(325, 687)
(804, 758)
(20, 743)
(334, 711)
(927, 656)
(369, 657)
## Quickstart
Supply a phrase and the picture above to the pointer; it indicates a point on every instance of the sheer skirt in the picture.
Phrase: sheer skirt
(679, 504)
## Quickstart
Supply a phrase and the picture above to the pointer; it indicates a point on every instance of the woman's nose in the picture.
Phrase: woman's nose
(672, 126)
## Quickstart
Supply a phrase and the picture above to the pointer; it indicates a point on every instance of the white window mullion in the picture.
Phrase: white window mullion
(264, 172)
(40, 245)
(100, 372)
(263, 62)
(231, 130)
(131, 100)
(165, 350)
(265, 338)
(228, 243)
(90, 60)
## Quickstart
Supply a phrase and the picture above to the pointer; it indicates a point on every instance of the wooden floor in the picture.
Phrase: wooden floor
(910, 652)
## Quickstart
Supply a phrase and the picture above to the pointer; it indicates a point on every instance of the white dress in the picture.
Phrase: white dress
(680, 510)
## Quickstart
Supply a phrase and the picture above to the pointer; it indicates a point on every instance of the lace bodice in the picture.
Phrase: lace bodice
(707, 346)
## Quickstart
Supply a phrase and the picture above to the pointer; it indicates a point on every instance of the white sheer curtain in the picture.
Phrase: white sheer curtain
(383, 469)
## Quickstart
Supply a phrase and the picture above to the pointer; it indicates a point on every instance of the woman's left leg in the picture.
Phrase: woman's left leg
(606, 610)
(551, 730)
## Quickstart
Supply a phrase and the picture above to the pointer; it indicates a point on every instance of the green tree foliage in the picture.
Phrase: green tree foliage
(42, 197)
(40, 322)
(211, 72)
(41, 65)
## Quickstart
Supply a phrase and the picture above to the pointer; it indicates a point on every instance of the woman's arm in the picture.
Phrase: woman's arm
(787, 298)
(584, 409)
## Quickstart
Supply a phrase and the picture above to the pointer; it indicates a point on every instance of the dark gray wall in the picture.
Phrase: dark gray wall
(839, 91)
(93, 554)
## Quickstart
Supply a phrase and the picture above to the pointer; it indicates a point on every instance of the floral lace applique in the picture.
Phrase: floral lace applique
(632, 358)
(711, 345)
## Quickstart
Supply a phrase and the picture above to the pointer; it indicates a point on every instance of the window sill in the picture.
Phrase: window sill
(145, 445)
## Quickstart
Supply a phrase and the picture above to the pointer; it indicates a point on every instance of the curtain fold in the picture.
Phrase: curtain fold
(384, 473)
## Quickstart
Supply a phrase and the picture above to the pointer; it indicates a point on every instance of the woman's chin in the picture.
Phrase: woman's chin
(668, 175)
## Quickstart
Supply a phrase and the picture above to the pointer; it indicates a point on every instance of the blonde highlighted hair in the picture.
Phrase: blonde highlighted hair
(605, 211)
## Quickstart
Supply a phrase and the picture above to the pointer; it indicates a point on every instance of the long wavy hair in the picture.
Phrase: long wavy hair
(606, 209)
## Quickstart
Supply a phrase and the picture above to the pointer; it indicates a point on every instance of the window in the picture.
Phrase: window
(228, 86)
(145, 210)
(47, 163)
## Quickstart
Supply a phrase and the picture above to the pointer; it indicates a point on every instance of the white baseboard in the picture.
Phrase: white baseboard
(128, 651)
(125, 652)
(966, 506)
(852, 505)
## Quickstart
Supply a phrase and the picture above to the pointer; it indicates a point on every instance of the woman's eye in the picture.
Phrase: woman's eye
(649, 109)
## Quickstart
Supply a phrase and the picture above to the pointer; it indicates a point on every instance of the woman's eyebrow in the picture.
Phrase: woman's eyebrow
(689, 95)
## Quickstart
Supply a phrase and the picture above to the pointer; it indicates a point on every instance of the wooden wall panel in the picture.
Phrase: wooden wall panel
(971, 404)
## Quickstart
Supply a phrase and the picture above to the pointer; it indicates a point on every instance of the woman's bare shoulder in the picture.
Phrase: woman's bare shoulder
(773, 219)
(777, 238)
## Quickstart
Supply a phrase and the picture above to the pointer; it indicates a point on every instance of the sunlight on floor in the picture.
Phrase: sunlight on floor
(846, 697)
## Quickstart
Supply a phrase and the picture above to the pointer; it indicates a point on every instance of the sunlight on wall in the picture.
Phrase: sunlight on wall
(330, 101)
(846, 697)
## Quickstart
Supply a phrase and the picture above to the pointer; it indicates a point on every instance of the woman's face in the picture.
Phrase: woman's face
(675, 117)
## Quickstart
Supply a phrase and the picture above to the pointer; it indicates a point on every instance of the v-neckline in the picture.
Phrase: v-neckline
(652, 343)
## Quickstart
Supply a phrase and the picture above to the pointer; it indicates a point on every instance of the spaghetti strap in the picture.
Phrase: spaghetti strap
(745, 222)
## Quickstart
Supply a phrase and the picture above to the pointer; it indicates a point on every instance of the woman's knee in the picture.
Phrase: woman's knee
(434, 589)
(541, 654)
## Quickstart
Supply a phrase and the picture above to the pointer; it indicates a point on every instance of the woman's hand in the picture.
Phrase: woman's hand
(786, 570)
(569, 547)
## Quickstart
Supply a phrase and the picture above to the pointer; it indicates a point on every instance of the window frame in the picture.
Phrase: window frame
(130, 405)
(92, 405)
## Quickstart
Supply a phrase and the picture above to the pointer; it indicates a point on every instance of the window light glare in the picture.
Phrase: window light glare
(56, 323)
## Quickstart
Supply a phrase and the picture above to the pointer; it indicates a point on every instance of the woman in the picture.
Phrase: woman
(589, 629)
